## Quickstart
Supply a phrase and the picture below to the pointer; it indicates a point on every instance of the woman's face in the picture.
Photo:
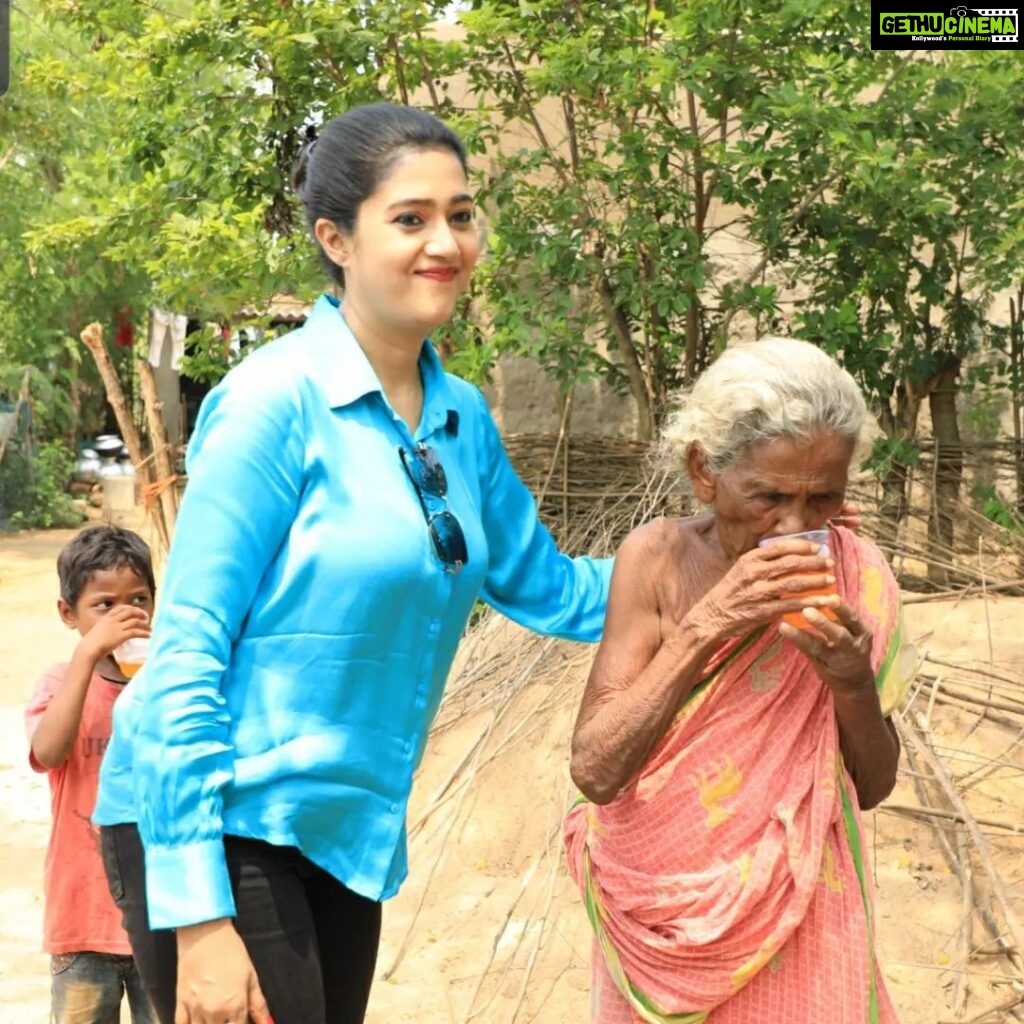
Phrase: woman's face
(413, 248)
(788, 485)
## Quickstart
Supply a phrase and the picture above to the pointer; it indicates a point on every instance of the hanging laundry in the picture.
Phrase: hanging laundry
(167, 331)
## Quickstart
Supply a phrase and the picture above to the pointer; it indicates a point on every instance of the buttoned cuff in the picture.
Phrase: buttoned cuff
(188, 884)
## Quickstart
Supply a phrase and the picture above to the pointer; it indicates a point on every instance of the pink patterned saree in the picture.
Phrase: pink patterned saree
(728, 883)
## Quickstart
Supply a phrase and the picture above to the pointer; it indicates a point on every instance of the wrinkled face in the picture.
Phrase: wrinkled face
(106, 590)
(786, 486)
(413, 248)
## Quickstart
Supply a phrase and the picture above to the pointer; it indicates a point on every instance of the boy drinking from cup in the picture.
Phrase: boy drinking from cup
(106, 594)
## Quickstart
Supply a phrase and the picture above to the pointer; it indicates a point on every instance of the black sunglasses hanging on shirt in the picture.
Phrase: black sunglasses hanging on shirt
(427, 474)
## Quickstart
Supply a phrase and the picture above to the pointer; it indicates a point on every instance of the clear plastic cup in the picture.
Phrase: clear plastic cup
(131, 654)
(823, 539)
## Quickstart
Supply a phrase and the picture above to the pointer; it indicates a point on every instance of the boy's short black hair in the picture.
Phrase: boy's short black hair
(97, 548)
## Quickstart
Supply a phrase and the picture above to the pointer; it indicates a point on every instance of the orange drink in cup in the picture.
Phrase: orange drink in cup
(821, 538)
(131, 654)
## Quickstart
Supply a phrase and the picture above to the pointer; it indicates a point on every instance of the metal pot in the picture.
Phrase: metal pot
(108, 446)
(87, 466)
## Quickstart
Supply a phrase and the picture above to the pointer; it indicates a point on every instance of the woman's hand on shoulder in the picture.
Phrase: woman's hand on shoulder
(850, 516)
(755, 589)
(217, 982)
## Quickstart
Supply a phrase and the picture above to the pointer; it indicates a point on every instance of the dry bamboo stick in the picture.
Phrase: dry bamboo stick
(423, 895)
(532, 960)
(972, 705)
(1009, 704)
(962, 987)
(942, 838)
(1003, 1007)
(1004, 690)
(984, 598)
(524, 885)
(1009, 680)
(910, 735)
(995, 699)
(927, 811)
(559, 443)
(978, 775)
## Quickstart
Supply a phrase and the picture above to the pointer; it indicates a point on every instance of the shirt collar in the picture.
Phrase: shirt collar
(346, 374)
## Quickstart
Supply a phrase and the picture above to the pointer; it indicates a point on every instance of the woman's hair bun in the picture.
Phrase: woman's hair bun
(300, 169)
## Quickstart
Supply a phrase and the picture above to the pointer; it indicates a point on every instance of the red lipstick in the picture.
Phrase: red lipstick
(443, 274)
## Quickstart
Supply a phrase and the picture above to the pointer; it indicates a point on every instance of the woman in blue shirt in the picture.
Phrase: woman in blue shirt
(348, 502)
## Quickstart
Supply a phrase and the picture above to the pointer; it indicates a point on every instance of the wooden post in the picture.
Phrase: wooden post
(92, 336)
(166, 478)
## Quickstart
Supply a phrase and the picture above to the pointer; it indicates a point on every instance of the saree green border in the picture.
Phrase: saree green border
(853, 837)
(897, 670)
(697, 694)
(640, 1003)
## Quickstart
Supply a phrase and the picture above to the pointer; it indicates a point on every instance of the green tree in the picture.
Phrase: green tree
(50, 293)
(196, 110)
(628, 142)
(902, 258)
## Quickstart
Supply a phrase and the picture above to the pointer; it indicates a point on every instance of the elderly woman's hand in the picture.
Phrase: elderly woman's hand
(840, 651)
(754, 591)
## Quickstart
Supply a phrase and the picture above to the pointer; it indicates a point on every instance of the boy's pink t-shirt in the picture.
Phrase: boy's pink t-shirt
(80, 913)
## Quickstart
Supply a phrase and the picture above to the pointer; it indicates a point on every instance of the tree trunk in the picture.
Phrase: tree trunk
(947, 475)
(1017, 398)
(1016, 386)
(898, 417)
(892, 509)
(898, 426)
(620, 327)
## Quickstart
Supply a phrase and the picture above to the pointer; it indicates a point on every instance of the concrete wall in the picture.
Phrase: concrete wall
(525, 401)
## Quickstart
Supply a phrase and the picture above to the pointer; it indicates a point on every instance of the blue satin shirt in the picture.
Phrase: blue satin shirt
(306, 627)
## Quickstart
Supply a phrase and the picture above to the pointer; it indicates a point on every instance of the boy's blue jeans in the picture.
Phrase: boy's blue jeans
(86, 988)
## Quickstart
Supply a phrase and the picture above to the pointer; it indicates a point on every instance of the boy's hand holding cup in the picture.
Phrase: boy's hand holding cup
(122, 632)
(823, 539)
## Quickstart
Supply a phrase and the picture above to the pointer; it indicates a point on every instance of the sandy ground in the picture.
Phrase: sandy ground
(488, 928)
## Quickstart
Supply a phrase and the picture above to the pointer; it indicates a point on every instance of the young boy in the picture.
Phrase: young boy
(106, 593)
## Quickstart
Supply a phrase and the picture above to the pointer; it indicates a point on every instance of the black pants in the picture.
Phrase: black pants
(312, 941)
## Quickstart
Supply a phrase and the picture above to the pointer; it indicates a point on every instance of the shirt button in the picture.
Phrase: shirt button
(395, 808)
(408, 747)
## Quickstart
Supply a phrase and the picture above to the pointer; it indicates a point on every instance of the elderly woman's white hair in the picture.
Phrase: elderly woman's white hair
(763, 390)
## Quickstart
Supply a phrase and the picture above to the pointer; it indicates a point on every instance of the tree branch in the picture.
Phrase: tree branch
(763, 262)
(427, 76)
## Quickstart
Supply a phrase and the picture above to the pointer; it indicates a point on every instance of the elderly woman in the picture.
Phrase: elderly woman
(724, 755)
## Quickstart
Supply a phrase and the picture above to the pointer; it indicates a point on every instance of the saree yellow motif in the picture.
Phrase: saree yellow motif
(727, 884)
